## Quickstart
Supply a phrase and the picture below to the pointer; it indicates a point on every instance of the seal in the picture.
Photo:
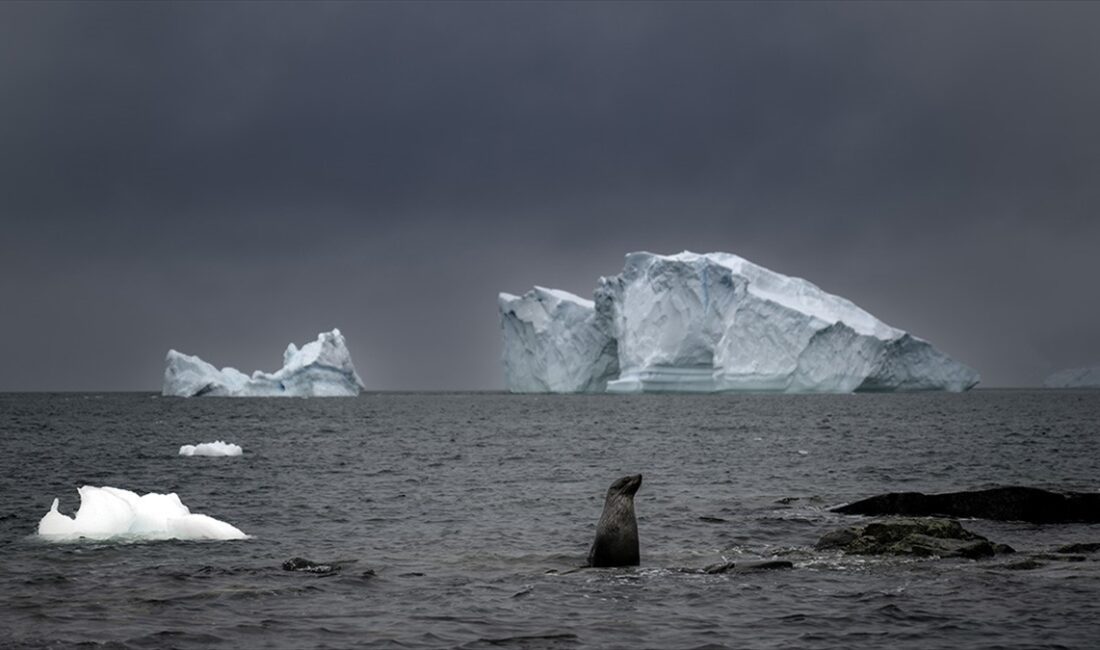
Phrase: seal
(617, 533)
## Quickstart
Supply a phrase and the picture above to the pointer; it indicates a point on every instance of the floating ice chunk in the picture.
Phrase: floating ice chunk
(1074, 378)
(55, 524)
(216, 448)
(201, 527)
(321, 368)
(107, 512)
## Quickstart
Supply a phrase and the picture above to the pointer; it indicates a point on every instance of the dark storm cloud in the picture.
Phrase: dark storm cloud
(226, 178)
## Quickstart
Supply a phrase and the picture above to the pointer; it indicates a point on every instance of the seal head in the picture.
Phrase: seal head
(617, 533)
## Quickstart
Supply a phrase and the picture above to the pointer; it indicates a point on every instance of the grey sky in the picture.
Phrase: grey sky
(226, 178)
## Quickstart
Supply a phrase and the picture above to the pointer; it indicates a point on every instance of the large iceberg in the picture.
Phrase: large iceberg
(1074, 378)
(321, 368)
(714, 322)
(553, 344)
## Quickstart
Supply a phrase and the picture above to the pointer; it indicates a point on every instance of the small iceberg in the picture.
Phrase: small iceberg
(321, 368)
(216, 448)
(107, 512)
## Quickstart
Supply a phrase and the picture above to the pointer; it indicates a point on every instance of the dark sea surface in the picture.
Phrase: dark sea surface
(470, 508)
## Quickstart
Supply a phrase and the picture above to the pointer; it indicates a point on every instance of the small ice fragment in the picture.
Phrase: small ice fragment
(216, 448)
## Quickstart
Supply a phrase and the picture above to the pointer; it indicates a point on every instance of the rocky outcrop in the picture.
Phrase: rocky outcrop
(920, 537)
(1001, 504)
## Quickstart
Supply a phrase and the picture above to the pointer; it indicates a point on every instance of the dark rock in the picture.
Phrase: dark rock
(1024, 565)
(1087, 547)
(1002, 504)
(1060, 557)
(309, 566)
(742, 567)
(721, 567)
(920, 537)
(789, 500)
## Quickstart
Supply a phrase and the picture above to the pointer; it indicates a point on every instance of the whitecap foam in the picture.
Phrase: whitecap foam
(107, 512)
(216, 448)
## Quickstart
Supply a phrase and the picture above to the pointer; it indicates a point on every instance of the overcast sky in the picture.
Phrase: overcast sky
(226, 178)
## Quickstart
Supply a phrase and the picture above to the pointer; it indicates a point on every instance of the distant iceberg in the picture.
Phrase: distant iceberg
(216, 448)
(1074, 378)
(107, 512)
(321, 368)
(707, 323)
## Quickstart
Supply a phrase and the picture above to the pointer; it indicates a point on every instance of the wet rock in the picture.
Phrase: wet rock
(308, 566)
(1002, 504)
(1024, 565)
(1060, 557)
(1087, 547)
(740, 567)
(789, 500)
(920, 537)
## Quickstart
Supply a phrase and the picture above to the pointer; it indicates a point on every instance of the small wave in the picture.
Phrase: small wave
(171, 638)
(551, 640)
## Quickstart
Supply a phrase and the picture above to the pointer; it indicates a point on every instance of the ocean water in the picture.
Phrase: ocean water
(471, 509)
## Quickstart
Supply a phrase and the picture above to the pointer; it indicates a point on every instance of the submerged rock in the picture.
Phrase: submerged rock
(1087, 547)
(1011, 503)
(920, 537)
(742, 567)
(1024, 565)
(303, 565)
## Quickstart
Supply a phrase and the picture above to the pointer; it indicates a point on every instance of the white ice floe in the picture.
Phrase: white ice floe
(216, 448)
(321, 368)
(107, 512)
(713, 322)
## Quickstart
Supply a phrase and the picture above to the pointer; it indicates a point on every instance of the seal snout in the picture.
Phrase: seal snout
(627, 485)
